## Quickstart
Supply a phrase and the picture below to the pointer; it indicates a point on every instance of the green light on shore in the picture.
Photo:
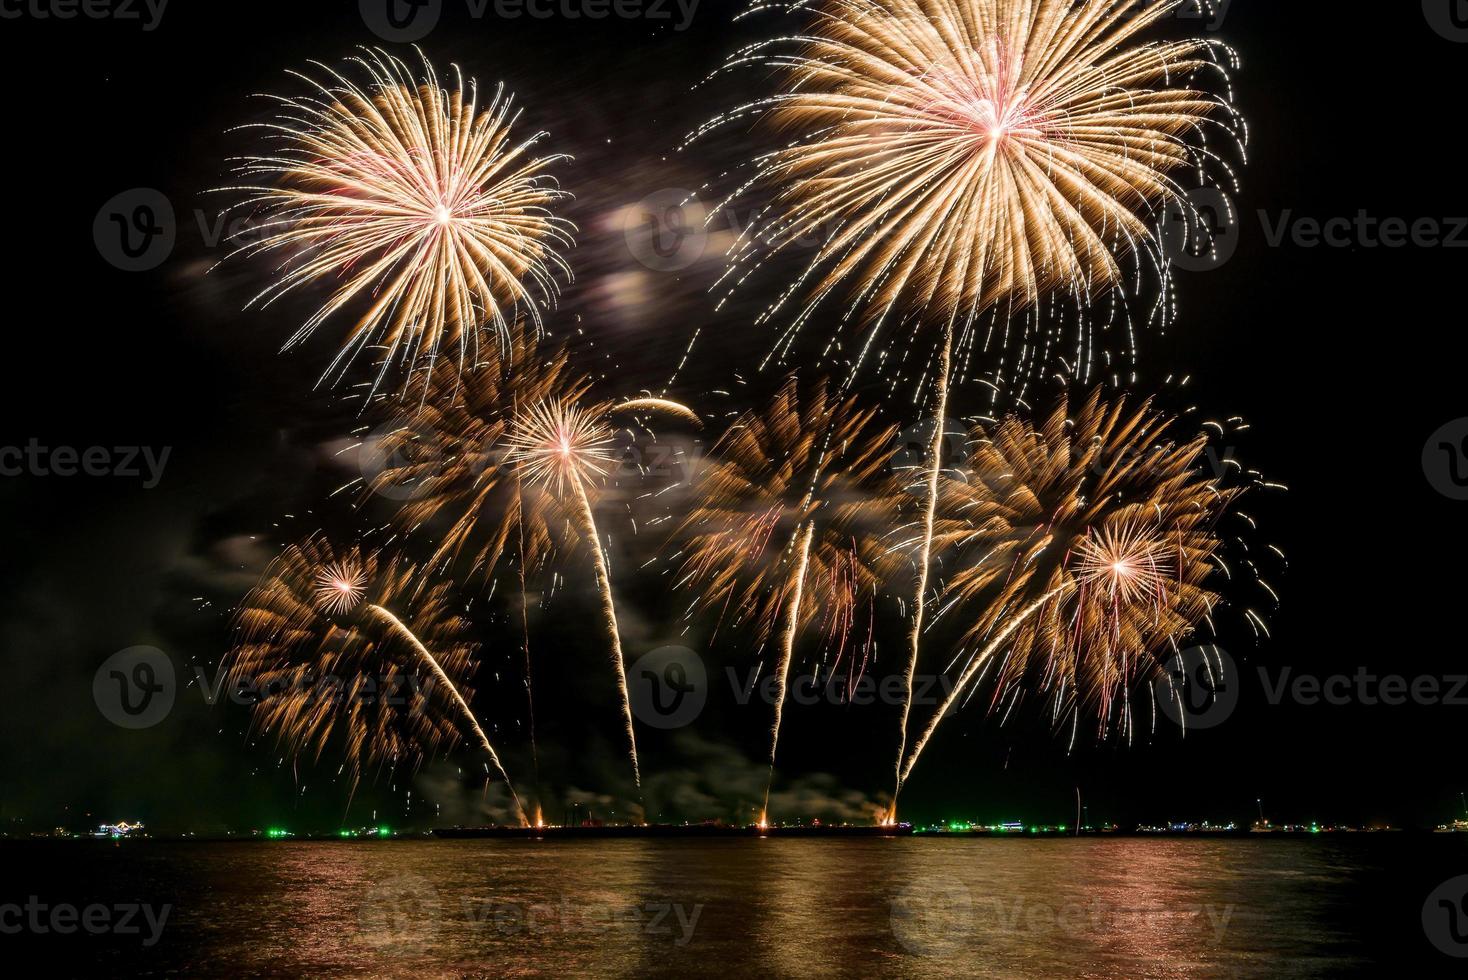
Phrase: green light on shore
(383, 832)
(344, 833)
(276, 833)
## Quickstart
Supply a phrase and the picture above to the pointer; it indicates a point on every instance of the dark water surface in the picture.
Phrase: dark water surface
(904, 907)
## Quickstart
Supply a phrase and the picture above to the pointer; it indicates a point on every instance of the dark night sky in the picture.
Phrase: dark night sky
(1344, 361)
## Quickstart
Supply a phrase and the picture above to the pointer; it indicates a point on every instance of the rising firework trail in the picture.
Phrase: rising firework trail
(321, 613)
(779, 527)
(964, 158)
(1085, 550)
(415, 202)
(565, 447)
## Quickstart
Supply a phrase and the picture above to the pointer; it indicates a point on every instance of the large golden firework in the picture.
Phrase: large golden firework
(416, 202)
(955, 156)
(777, 534)
(1081, 550)
(345, 647)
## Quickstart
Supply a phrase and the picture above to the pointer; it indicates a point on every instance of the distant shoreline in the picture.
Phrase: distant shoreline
(553, 834)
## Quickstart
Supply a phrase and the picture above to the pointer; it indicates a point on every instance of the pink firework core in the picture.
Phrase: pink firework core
(993, 105)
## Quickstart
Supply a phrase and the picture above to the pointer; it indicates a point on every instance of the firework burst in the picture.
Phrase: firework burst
(560, 444)
(1084, 549)
(416, 202)
(779, 526)
(321, 637)
(956, 158)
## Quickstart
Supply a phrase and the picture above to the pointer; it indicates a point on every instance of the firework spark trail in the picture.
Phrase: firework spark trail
(397, 624)
(965, 679)
(562, 446)
(317, 616)
(412, 201)
(787, 654)
(1086, 544)
(609, 618)
(925, 556)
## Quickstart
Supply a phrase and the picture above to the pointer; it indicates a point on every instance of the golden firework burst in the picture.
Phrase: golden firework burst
(955, 157)
(328, 631)
(416, 202)
(1082, 551)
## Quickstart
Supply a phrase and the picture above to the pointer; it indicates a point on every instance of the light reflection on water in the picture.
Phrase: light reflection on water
(889, 907)
(781, 907)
